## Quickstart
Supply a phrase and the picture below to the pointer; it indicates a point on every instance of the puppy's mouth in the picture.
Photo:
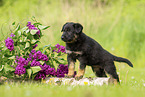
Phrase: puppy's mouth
(71, 40)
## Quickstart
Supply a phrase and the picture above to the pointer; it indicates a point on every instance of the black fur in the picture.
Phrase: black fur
(93, 54)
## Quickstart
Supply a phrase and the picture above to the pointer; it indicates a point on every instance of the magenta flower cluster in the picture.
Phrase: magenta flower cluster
(37, 56)
(32, 27)
(47, 70)
(34, 58)
(9, 44)
(59, 48)
(12, 35)
(35, 46)
(20, 67)
(62, 70)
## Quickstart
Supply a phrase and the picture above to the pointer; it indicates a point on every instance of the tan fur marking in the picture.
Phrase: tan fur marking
(115, 82)
(112, 80)
(71, 69)
(80, 72)
(96, 67)
(74, 39)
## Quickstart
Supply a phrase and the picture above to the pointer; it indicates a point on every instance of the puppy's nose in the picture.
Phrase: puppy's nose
(62, 37)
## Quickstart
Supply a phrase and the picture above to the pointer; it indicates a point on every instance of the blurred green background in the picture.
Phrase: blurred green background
(118, 25)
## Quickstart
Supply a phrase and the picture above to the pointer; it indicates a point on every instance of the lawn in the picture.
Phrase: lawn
(37, 90)
(132, 85)
(118, 25)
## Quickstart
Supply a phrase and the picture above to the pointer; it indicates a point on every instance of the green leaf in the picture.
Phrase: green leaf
(29, 71)
(24, 29)
(49, 45)
(17, 49)
(37, 23)
(33, 41)
(33, 76)
(33, 32)
(1, 48)
(13, 23)
(30, 37)
(43, 27)
(56, 61)
(34, 19)
(25, 39)
(8, 68)
(27, 44)
(2, 68)
(21, 46)
(35, 69)
(12, 57)
(59, 54)
(61, 59)
(36, 36)
(27, 31)
(18, 27)
(19, 33)
(7, 55)
(42, 62)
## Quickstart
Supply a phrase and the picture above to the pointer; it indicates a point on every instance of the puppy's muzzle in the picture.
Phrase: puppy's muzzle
(62, 37)
(69, 39)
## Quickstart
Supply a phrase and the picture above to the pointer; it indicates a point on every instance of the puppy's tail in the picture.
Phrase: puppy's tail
(119, 59)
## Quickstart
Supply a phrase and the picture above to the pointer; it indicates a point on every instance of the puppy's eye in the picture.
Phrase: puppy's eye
(67, 30)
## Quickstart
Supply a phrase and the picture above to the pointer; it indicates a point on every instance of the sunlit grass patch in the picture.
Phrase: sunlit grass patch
(134, 86)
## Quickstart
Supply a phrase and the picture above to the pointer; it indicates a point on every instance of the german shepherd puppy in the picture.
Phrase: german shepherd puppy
(81, 47)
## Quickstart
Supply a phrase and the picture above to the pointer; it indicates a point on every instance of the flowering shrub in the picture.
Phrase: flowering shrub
(20, 58)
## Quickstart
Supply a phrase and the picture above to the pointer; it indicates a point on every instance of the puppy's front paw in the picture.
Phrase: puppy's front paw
(78, 77)
(68, 76)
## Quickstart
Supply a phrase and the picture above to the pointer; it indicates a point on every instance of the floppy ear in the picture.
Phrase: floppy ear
(78, 28)
(63, 27)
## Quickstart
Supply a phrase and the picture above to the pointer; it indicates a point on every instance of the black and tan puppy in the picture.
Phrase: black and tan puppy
(89, 52)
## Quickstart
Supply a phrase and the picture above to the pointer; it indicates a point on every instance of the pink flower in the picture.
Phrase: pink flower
(9, 44)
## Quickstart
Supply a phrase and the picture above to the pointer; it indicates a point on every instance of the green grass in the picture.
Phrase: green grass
(36, 90)
(132, 85)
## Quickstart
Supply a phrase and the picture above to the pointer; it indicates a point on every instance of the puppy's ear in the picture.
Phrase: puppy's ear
(78, 28)
(63, 27)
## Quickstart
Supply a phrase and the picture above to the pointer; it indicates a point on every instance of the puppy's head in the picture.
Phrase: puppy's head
(70, 32)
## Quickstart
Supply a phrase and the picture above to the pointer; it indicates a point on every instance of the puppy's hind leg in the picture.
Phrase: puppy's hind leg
(99, 72)
(111, 70)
